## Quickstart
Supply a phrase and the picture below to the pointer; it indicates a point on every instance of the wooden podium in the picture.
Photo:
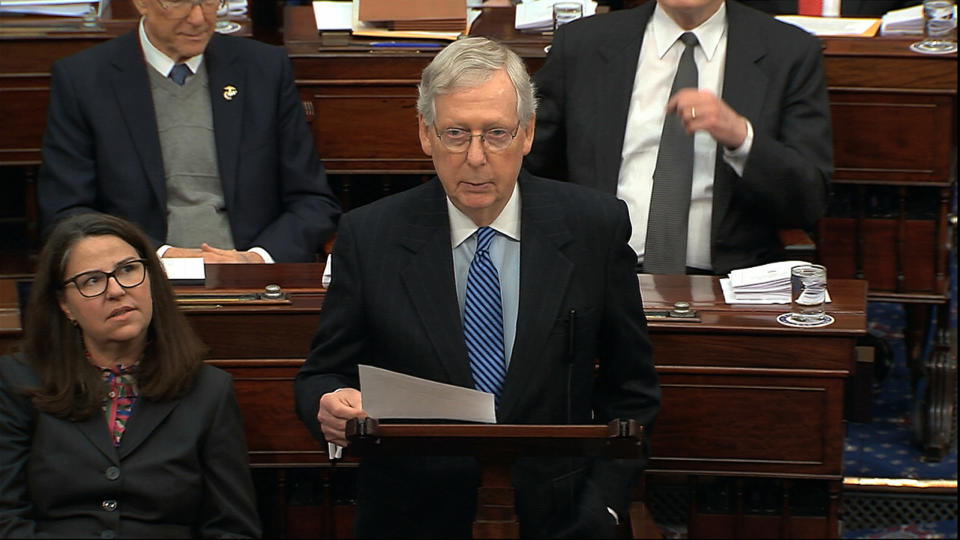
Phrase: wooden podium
(496, 447)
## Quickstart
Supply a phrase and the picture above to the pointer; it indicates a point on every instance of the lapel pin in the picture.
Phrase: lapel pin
(229, 91)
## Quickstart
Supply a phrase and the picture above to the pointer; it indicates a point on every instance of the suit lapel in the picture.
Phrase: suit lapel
(618, 60)
(96, 431)
(131, 87)
(228, 91)
(427, 275)
(144, 419)
(744, 89)
(545, 273)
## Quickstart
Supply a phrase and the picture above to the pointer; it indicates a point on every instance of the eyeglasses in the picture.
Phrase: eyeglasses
(182, 8)
(458, 140)
(91, 284)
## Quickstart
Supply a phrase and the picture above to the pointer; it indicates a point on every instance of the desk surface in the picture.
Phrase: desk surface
(756, 397)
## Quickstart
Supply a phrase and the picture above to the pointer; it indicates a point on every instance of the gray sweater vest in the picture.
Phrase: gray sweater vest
(196, 210)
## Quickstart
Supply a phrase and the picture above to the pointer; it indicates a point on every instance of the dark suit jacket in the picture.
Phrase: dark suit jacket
(773, 77)
(101, 151)
(393, 304)
(181, 469)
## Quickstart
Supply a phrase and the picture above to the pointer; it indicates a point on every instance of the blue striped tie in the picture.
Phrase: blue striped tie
(483, 319)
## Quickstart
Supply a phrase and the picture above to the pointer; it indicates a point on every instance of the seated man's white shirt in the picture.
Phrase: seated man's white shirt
(657, 66)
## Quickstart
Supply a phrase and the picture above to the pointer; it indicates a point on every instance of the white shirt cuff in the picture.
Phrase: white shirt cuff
(267, 259)
(163, 249)
(737, 158)
(616, 518)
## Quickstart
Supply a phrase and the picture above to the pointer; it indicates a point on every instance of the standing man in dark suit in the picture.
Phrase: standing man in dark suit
(198, 138)
(404, 297)
(759, 117)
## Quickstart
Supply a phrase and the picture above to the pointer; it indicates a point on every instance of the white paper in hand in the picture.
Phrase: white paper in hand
(388, 394)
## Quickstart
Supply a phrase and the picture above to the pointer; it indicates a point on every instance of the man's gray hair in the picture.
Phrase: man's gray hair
(468, 63)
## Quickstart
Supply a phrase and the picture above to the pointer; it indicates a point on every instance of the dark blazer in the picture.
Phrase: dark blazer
(101, 150)
(393, 304)
(180, 471)
(773, 77)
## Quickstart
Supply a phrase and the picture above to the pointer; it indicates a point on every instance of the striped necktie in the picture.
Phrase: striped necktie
(483, 319)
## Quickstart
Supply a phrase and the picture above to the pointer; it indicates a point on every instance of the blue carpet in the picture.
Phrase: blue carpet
(885, 448)
(933, 529)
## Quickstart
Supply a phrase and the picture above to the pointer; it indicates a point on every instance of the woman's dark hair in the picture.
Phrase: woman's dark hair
(69, 387)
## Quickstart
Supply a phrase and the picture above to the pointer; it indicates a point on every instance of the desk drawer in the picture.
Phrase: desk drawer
(738, 422)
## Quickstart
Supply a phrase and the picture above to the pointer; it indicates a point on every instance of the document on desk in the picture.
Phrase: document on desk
(833, 26)
(388, 394)
(764, 284)
(184, 270)
(57, 8)
(333, 15)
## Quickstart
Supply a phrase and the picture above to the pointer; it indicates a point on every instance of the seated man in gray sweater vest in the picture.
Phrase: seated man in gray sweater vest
(197, 137)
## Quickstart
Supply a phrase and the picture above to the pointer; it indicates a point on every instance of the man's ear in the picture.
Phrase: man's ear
(141, 6)
(529, 132)
(426, 136)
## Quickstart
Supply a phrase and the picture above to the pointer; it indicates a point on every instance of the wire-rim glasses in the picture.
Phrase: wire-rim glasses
(494, 139)
(128, 275)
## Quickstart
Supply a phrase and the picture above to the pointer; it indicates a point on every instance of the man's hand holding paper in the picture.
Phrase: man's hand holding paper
(335, 409)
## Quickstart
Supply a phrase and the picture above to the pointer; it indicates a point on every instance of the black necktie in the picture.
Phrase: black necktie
(666, 246)
(179, 74)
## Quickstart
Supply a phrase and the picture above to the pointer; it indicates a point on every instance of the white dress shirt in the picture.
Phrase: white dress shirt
(656, 69)
(505, 254)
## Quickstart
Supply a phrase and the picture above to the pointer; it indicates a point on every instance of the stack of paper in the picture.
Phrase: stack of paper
(537, 15)
(833, 26)
(904, 21)
(765, 284)
(59, 8)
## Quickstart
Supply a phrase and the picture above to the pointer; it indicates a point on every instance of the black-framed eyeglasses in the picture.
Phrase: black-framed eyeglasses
(182, 8)
(494, 139)
(91, 284)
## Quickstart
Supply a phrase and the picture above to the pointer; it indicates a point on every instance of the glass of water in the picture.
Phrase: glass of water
(808, 292)
(939, 28)
(564, 12)
(224, 24)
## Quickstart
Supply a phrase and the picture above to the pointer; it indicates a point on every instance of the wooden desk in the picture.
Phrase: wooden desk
(742, 395)
(746, 397)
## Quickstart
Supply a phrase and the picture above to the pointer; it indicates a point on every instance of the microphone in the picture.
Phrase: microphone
(571, 353)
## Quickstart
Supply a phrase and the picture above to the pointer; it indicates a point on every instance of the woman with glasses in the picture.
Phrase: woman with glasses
(112, 425)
